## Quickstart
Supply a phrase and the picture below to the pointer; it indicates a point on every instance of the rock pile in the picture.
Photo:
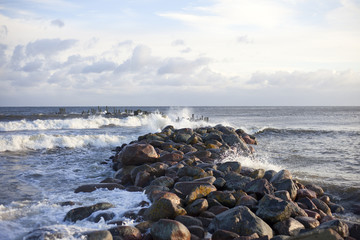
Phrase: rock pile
(194, 195)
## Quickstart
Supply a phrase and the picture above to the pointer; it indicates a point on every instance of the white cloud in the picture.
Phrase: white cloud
(48, 47)
(182, 66)
(99, 67)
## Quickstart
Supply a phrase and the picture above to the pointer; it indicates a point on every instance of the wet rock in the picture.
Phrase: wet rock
(253, 236)
(242, 221)
(205, 221)
(288, 226)
(197, 207)
(260, 187)
(269, 174)
(126, 232)
(273, 209)
(143, 179)
(138, 154)
(302, 193)
(219, 183)
(308, 203)
(224, 198)
(230, 167)
(93, 187)
(172, 157)
(281, 175)
(144, 226)
(163, 208)
(287, 185)
(160, 168)
(235, 181)
(313, 214)
(207, 214)
(308, 222)
(218, 209)
(336, 208)
(166, 229)
(83, 212)
(45, 233)
(105, 215)
(317, 189)
(189, 221)
(209, 179)
(98, 235)
(224, 235)
(142, 168)
(318, 234)
(337, 225)
(322, 206)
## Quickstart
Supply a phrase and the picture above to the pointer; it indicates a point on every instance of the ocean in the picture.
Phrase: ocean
(47, 152)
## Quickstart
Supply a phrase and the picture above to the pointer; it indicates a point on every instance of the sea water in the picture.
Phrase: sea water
(44, 156)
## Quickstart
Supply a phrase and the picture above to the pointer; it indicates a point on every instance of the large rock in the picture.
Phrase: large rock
(83, 212)
(318, 234)
(193, 190)
(224, 235)
(230, 167)
(281, 175)
(191, 171)
(260, 187)
(163, 208)
(308, 222)
(225, 198)
(235, 181)
(138, 154)
(198, 206)
(242, 221)
(126, 232)
(93, 187)
(98, 235)
(288, 226)
(189, 221)
(339, 226)
(322, 206)
(287, 185)
(166, 229)
(273, 209)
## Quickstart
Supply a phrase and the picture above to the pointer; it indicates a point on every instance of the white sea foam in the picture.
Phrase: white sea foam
(22, 217)
(48, 141)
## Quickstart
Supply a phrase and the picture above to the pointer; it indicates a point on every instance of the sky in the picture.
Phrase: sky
(179, 53)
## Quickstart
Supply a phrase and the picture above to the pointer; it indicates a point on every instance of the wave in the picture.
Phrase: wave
(154, 122)
(44, 141)
(270, 130)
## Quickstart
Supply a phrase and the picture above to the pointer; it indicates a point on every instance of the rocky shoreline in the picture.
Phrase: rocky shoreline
(193, 194)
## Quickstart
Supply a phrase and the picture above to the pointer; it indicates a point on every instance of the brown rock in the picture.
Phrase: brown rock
(93, 187)
(166, 229)
(126, 232)
(138, 154)
(163, 208)
(308, 222)
(224, 235)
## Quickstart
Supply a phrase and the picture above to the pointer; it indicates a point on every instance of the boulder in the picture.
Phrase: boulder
(168, 195)
(143, 179)
(281, 175)
(260, 187)
(197, 207)
(224, 198)
(197, 231)
(81, 213)
(193, 190)
(308, 222)
(172, 157)
(163, 181)
(318, 234)
(166, 229)
(224, 235)
(337, 225)
(242, 221)
(98, 235)
(126, 232)
(163, 208)
(307, 203)
(141, 168)
(230, 167)
(287, 185)
(191, 171)
(138, 154)
(93, 187)
(317, 189)
(302, 193)
(322, 206)
(288, 226)
(283, 194)
(189, 221)
(269, 174)
(247, 201)
(235, 181)
(273, 209)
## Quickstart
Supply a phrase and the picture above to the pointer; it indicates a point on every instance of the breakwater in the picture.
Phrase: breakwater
(193, 194)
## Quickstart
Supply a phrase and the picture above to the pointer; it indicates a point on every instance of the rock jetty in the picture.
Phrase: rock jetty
(193, 194)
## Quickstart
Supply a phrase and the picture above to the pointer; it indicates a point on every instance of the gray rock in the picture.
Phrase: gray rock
(318, 234)
(269, 174)
(126, 232)
(260, 187)
(83, 212)
(197, 231)
(235, 181)
(197, 207)
(242, 221)
(337, 225)
(288, 226)
(287, 185)
(230, 167)
(322, 206)
(224, 235)
(224, 198)
(281, 175)
(189, 221)
(163, 208)
(308, 222)
(98, 235)
(273, 209)
(163, 181)
(137, 154)
(166, 229)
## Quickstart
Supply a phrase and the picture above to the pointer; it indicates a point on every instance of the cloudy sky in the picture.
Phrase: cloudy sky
(188, 52)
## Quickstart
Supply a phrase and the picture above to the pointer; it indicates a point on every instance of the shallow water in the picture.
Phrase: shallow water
(44, 156)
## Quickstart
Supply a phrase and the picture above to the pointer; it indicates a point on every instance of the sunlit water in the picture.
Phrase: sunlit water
(45, 156)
